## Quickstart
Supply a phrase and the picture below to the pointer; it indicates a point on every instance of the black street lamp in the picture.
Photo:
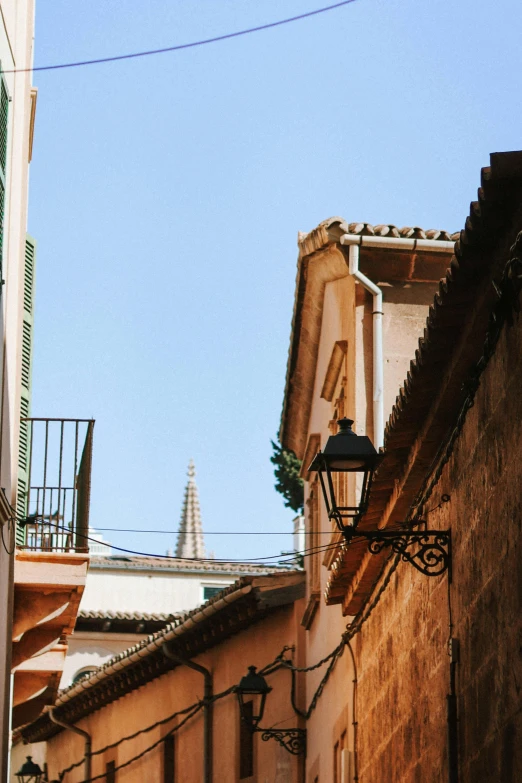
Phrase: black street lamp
(255, 685)
(30, 772)
(346, 452)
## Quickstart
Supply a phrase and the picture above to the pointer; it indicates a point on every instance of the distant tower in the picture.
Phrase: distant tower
(190, 536)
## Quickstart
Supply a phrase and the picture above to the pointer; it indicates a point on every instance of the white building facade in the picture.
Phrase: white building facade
(128, 597)
(17, 109)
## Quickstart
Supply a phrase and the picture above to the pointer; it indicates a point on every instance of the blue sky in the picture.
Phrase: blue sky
(166, 194)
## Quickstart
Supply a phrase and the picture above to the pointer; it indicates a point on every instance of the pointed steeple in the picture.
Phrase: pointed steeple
(190, 535)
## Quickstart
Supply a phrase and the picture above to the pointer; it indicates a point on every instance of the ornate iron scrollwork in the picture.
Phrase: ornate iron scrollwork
(293, 740)
(429, 551)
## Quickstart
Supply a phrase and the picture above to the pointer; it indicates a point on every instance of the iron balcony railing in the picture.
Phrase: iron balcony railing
(54, 486)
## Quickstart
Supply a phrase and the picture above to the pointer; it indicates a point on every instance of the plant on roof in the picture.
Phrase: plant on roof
(288, 482)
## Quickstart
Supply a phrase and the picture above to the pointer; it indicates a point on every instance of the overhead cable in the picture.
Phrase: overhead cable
(178, 47)
(254, 560)
(215, 532)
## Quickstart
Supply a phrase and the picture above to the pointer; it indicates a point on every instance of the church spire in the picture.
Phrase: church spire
(190, 535)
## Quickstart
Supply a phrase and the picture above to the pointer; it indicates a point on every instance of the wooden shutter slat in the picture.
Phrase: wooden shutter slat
(25, 384)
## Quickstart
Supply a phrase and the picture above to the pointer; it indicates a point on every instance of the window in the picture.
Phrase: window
(314, 539)
(339, 758)
(210, 592)
(82, 674)
(168, 759)
(110, 772)
(342, 760)
(246, 744)
(313, 564)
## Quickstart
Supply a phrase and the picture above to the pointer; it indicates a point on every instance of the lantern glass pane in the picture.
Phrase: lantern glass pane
(347, 464)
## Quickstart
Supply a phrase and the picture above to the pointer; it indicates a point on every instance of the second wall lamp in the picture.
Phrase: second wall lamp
(427, 550)
(255, 686)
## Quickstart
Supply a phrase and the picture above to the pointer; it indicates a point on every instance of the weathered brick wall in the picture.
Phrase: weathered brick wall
(402, 654)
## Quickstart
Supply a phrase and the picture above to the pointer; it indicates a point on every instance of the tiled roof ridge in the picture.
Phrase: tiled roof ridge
(177, 563)
(323, 244)
(331, 230)
(154, 636)
(240, 583)
(108, 614)
(232, 610)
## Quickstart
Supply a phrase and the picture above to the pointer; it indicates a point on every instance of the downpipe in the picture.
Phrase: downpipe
(378, 400)
(354, 242)
(452, 715)
(208, 710)
(84, 734)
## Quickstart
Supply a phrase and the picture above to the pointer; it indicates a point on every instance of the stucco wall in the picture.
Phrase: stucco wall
(405, 308)
(89, 650)
(402, 651)
(228, 661)
(331, 717)
(134, 590)
(347, 316)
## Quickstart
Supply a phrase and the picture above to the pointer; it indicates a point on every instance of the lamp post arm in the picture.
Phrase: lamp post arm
(429, 551)
(292, 740)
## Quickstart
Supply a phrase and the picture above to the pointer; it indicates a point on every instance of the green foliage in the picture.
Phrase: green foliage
(288, 483)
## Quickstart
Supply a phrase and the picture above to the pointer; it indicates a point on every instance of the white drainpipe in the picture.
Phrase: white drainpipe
(354, 242)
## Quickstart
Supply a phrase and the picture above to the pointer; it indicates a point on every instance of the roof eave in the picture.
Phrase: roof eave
(264, 594)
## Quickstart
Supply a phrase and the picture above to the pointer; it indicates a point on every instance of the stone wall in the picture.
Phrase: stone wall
(402, 651)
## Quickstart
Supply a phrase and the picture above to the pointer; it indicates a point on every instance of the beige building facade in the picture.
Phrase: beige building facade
(354, 280)
(166, 710)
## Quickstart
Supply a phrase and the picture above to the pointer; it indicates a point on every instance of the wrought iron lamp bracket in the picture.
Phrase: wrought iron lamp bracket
(429, 551)
(292, 740)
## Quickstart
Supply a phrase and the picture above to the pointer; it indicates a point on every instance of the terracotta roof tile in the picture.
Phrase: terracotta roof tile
(330, 230)
(409, 264)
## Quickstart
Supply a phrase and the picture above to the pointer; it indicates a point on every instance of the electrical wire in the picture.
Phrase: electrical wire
(254, 560)
(189, 712)
(212, 532)
(103, 775)
(11, 536)
(129, 737)
(499, 318)
(145, 730)
(354, 712)
(278, 663)
(191, 45)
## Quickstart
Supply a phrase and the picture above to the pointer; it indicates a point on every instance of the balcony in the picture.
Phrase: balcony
(55, 484)
(52, 554)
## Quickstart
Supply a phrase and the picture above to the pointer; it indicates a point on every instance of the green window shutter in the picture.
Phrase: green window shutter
(4, 117)
(26, 372)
